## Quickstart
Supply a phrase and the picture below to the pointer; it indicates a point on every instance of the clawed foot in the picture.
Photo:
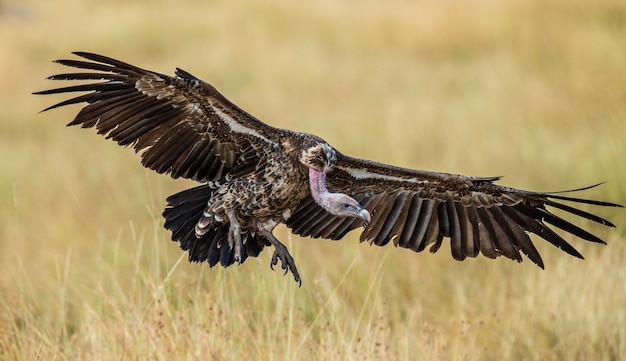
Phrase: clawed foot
(238, 256)
(286, 261)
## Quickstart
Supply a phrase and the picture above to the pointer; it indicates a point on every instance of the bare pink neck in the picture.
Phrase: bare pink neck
(317, 181)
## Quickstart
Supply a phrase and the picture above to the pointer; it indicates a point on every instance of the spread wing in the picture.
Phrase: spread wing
(417, 208)
(181, 125)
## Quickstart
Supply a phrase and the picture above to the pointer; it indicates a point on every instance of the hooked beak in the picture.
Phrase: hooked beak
(364, 214)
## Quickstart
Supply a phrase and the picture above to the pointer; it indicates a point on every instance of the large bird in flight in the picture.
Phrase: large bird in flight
(254, 177)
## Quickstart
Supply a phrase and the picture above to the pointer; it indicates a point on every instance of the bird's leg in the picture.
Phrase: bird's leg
(234, 235)
(281, 253)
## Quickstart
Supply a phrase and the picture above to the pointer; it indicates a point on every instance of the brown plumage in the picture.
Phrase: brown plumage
(255, 176)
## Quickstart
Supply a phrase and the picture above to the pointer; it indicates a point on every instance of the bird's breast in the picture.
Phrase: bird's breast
(272, 192)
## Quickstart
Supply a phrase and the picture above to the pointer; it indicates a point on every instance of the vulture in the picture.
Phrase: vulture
(252, 176)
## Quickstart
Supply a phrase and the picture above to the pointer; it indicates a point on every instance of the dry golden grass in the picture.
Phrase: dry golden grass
(534, 90)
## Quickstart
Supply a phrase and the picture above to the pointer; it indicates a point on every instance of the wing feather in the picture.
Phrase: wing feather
(444, 222)
(382, 209)
(312, 219)
(378, 206)
(382, 236)
(433, 236)
(501, 238)
(466, 246)
(189, 166)
(487, 234)
(325, 219)
(456, 236)
(411, 221)
(396, 232)
(333, 228)
(417, 241)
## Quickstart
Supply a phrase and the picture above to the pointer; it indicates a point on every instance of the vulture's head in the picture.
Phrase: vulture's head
(343, 205)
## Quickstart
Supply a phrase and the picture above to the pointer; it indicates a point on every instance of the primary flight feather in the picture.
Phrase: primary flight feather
(255, 177)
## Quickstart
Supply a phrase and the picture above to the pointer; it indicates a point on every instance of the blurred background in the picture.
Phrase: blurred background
(531, 90)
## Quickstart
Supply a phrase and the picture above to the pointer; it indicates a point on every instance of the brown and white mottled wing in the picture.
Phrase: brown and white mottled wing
(181, 125)
(417, 208)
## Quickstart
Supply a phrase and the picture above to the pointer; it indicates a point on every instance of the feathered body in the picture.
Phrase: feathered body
(264, 196)
(254, 177)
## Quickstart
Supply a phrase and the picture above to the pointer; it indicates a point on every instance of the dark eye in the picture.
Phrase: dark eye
(346, 206)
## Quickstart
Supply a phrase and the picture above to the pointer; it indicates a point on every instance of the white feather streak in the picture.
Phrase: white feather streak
(238, 127)
(363, 173)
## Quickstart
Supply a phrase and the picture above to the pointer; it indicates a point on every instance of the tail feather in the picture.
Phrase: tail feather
(183, 212)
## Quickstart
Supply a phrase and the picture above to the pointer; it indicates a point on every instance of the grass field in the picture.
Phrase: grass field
(532, 90)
